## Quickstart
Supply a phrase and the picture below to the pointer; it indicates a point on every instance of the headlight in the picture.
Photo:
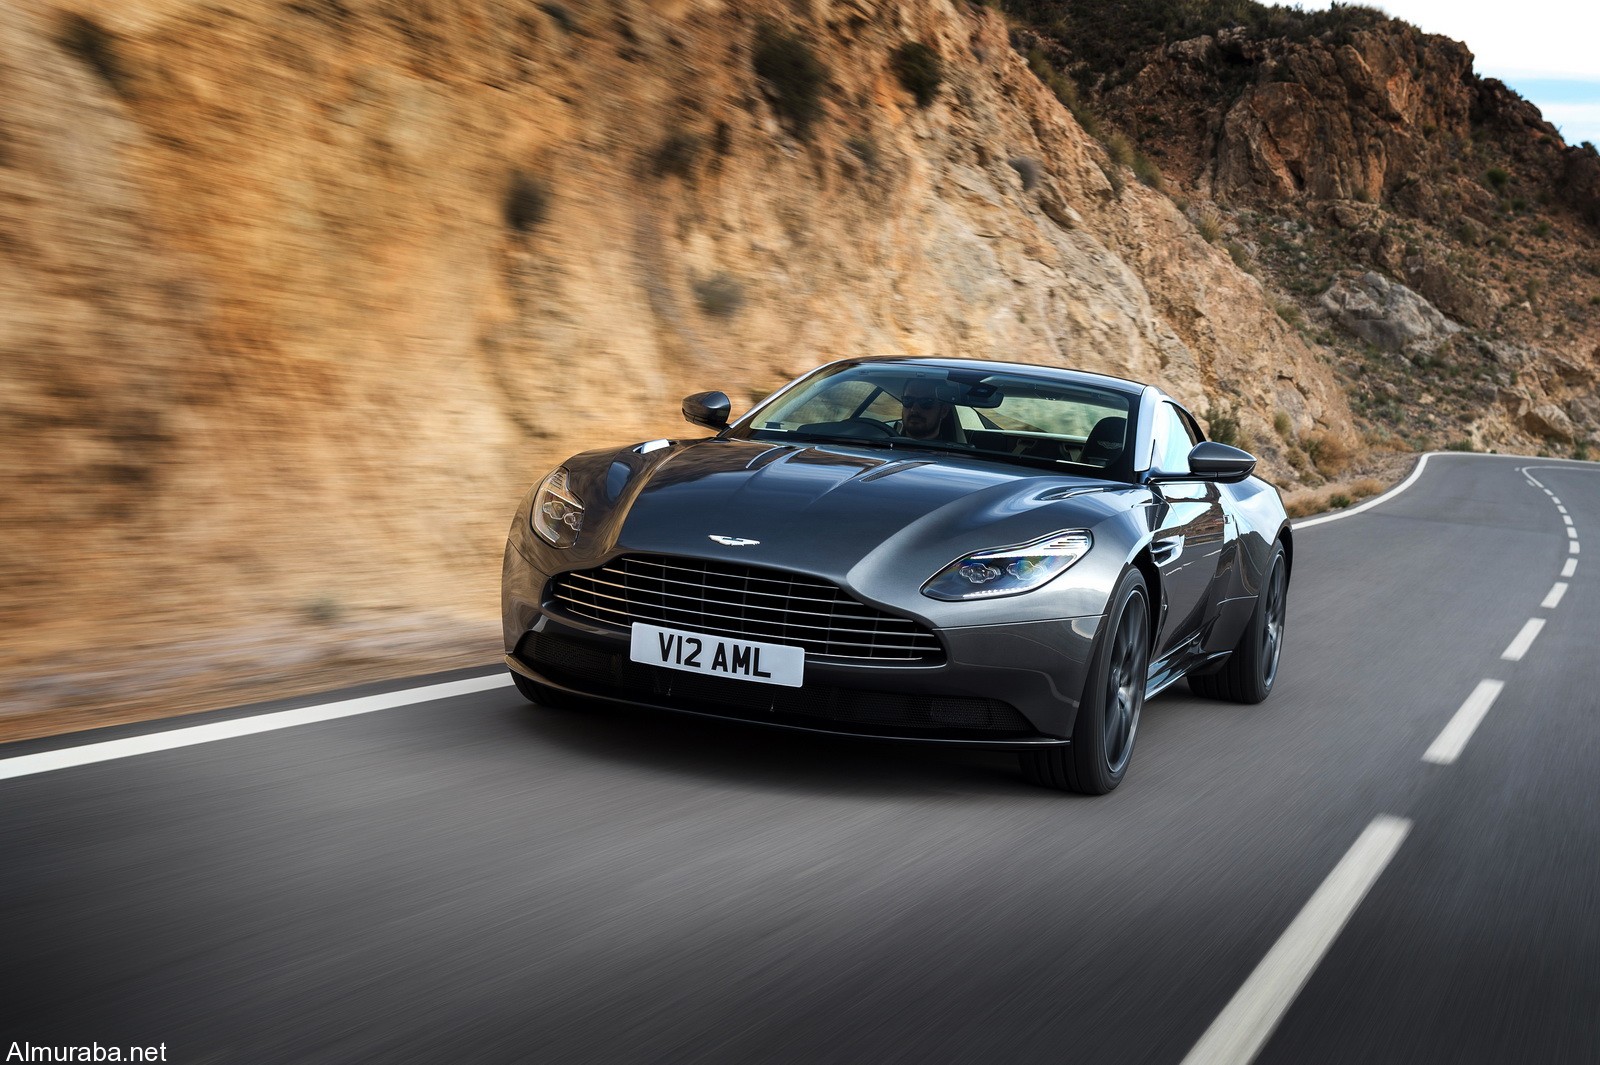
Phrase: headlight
(1010, 570)
(557, 514)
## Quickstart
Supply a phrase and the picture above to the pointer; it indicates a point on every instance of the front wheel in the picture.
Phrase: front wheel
(1250, 671)
(1108, 717)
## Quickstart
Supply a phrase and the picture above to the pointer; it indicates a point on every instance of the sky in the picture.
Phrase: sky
(1547, 50)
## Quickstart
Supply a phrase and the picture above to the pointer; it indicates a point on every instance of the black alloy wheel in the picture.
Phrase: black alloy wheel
(1108, 717)
(1248, 674)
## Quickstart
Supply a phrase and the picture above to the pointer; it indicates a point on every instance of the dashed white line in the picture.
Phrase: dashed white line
(1561, 510)
(1519, 646)
(1554, 500)
(1243, 1026)
(1447, 748)
(28, 764)
(1570, 568)
(1572, 534)
(1553, 600)
(1572, 547)
(1566, 519)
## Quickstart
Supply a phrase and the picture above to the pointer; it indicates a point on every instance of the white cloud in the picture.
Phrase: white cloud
(1577, 122)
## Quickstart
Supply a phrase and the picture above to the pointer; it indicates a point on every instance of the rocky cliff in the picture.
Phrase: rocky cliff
(298, 297)
(1424, 224)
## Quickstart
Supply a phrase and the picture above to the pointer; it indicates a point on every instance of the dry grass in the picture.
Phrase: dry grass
(1305, 503)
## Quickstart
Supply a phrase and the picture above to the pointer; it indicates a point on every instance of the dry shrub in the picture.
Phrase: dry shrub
(1329, 452)
(1367, 486)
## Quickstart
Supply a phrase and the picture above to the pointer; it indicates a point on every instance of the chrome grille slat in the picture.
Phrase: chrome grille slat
(633, 616)
(866, 612)
(727, 599)
(703, 603)
(916, 654)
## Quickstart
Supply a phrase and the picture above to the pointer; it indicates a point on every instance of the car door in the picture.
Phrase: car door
(1191, 529)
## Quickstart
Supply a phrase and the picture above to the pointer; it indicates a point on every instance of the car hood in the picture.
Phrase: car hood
(824, 508)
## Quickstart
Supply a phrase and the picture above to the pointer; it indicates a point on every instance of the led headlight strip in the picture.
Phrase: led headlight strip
(557, 514)
(1010, 570)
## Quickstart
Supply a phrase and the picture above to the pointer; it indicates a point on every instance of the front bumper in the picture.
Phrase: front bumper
(1007, 685)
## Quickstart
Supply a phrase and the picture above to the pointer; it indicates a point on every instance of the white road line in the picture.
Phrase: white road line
(1519, 647)
(1447, 748)
(1422, 464)
(89, 753)
(1566, 519)
(1244, 1025)
(1570, 568)
(1553, 600)
(1561, 510)
(1572, 534)
(1554, 500)
(1572, 547)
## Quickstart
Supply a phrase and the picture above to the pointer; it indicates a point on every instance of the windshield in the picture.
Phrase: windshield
(1003, 414)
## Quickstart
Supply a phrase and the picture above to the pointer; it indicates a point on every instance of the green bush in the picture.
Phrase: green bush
(527, 202)
(96, 48)
(677, 155)
(865, 149)
(719, 295)
(1496, 178)
(1222, 425)
(793, 76)
(1338, 501)
(919, 70)
(1027, 169)
(1148, 173)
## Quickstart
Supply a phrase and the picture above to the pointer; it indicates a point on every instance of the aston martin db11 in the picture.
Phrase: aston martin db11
(943, 550)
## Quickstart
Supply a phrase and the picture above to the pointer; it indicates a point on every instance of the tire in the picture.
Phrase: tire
(1113, 697)
(1249, 672)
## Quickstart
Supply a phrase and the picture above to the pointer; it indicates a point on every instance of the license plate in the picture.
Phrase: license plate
(718, 656)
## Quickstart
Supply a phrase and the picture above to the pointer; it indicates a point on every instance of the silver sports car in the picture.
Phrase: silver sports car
(942, 550)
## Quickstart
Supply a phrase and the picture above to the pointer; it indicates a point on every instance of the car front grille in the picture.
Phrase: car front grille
(600, 671)
(745, 602)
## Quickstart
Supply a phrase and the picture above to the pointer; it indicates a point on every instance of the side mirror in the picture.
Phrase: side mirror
(1211, 461)
(711, 410)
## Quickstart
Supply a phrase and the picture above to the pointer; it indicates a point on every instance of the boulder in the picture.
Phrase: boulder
(1385, 313)
(1549, 421)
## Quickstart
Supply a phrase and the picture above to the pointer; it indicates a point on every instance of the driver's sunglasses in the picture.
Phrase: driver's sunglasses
(919, 402)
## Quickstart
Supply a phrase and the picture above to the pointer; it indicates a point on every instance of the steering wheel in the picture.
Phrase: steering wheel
(881, 429)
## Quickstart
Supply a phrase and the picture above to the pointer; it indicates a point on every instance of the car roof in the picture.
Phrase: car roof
(1049, 373)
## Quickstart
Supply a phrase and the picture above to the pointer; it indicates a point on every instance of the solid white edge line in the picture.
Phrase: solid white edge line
(1570, 568)
(89, 753)
(1422, 464)
(1248, 1020)
(1448, 747)
(1519, 646)
(1553, 600)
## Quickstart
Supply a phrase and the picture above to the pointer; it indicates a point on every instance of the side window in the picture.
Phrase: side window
(1173, 441)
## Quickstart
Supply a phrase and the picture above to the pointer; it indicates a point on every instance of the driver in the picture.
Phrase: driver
(922, 413)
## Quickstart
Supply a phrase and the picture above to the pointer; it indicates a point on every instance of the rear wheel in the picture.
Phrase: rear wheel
(1251, 670)
(1108, 718)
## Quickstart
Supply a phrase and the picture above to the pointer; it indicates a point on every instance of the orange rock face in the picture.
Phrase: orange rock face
(297, 299)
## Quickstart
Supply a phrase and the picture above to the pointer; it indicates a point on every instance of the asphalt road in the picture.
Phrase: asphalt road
(473, 880)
